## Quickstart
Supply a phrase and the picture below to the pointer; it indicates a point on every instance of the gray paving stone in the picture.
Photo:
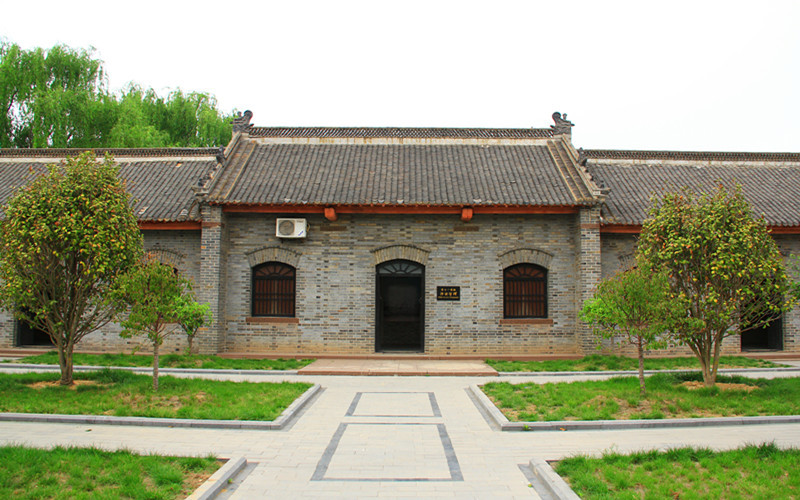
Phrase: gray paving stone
(399, 442)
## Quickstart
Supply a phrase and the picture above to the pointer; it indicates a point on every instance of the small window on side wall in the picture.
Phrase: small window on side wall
(525, 291)
(273, 290)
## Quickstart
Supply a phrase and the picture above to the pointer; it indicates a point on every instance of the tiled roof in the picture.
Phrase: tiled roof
(392, 174)
(161, 188)
(612, 154)
(773, 189)
(401, 133)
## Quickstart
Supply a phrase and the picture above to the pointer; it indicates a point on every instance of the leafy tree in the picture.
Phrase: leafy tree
(155, 293)
(53, 98)
(724, 269)
(635, 304)
(186, 120)
(191, 316)
(59, 98)
(65, 240)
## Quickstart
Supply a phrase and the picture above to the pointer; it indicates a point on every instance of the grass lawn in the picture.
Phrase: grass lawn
(171, 361)
(686, 473)
(121, 393)
(597, 362)
(669, 395)
(88, 473)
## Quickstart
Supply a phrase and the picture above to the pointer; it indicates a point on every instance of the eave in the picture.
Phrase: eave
(637, 228)
(170, 225)
(465, 211)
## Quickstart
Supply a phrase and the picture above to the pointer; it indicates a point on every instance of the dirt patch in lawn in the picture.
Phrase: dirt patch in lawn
(722, 386)
(55, 383)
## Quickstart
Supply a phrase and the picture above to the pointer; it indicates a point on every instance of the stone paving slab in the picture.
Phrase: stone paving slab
(398, 367)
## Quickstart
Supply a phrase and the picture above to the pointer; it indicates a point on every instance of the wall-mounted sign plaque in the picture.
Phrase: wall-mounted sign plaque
(448, 293)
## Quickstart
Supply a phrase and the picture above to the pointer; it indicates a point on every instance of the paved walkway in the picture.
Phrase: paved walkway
(398, 366)
(389, 437)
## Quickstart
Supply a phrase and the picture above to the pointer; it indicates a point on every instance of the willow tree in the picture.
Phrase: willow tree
(59, 97)
(725, 270)
(65, 240)
(53, 98)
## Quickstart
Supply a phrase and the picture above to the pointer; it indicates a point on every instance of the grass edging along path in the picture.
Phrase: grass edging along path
(751, 472)
(184, 361)
(83, 473)
(122, 398)
(605, 363)
(776, 400)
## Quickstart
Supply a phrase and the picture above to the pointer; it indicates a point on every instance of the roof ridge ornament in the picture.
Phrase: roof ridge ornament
(241, 122)
(562, 126)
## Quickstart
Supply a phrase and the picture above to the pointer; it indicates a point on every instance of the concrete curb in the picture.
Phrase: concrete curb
(646, 372)
(553, 483)
(145, 369)
(214, 484)
(612, 425)
(279, 423)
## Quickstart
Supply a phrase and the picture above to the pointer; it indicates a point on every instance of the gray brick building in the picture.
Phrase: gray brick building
(309, 241)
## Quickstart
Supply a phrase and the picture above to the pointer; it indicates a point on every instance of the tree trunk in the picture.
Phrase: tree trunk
(712, 379)
(191, 342)
(155, 366)
(640, 348)
(65, 363)
(709, 375)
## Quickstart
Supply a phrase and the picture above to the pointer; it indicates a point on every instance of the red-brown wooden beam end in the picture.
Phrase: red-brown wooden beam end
(330, 214)
(466, 214)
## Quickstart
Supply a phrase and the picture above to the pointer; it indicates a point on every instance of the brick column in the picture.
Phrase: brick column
(210, 289)
(589, 272)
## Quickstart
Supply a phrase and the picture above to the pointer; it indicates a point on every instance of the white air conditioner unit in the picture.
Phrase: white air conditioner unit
(290, 228)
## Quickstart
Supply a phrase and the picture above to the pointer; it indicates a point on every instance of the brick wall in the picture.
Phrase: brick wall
(616, 252)
(336, 282)
(177, 248)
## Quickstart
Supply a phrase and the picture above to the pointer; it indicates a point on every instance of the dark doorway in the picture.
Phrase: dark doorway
(400, 306)
(27, 335)
(768, 337)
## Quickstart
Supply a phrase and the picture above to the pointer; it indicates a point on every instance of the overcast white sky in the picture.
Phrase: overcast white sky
(679, 75)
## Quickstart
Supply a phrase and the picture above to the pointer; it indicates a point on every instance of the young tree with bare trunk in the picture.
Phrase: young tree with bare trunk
(157, 298)
(636, 306)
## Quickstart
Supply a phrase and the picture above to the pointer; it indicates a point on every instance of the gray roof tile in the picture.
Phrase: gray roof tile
(160, 187)
(773, 189)
(392, 174)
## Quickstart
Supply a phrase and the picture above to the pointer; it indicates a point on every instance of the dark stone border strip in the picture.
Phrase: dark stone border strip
(431, 397)
(609, 425)
(647, 372)
(279, 423)
(147, 369)
(552, 482)
(447, 445)
(214, 484)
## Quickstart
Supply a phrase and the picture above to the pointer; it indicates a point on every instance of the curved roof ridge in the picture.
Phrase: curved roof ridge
(401, 132)
(622, 154)
(122, 152)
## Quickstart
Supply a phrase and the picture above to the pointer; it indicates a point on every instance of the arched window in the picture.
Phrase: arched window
(525, 291)
(272, 291)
